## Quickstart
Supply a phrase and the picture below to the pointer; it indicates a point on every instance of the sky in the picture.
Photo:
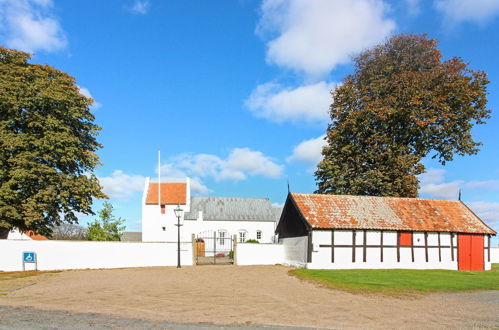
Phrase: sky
(235, 93)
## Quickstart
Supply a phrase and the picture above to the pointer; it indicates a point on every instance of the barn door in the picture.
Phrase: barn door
(470, 253)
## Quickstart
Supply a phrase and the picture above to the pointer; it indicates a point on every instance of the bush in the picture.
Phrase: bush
(251, 241)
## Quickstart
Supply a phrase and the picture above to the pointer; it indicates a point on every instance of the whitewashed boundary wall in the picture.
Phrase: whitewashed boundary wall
(295, 251)
(494, 255)
(343, 256)
(55, 255)
(259, 254)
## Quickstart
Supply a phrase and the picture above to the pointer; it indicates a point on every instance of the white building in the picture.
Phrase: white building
(348, 232)
(248, 218)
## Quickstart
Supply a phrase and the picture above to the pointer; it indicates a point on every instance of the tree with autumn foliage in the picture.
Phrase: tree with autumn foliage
(47, 147)
(402, 103)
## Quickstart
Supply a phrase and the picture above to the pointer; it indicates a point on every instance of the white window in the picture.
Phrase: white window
(222, 236)
(242, 236)
(258, 234)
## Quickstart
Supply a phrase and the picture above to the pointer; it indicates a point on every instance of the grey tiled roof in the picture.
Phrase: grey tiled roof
(131, 236)
(233, 208)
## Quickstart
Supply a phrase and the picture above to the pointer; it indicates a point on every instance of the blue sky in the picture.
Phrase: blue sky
(235, 93)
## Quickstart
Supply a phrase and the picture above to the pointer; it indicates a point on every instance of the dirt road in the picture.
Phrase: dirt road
(246, 295)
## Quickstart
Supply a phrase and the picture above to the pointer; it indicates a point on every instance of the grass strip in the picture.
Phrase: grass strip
(402, 280)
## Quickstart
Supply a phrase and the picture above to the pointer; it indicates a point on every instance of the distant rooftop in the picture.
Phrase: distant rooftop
(233, 208)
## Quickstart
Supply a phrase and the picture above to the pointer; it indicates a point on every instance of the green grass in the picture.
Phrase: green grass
(397, 280)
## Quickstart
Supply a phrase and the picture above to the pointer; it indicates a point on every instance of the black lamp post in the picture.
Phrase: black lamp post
(178, 213)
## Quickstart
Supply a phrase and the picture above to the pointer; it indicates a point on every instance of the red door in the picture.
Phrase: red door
(470, 252)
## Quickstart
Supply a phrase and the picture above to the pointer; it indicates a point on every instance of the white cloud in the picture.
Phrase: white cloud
(477, 11)
(433, 183)
(239, 164)
(140, 7)
(28, 25)
(488, 184)
(487, 211)
(413, 7)
(314, 36)
(308, 151)
(308, 103)
(84, 91)
(122, 186)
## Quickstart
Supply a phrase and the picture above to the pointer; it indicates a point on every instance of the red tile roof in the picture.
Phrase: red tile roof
(171, 193)
(35, 237)
(389, 213)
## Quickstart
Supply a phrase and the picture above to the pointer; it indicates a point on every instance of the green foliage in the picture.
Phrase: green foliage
(107, 228)
(403, 279)
(401, 104)
(251, 241)
(47, 146)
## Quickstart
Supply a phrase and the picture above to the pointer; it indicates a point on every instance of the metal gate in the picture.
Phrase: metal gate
(214, 248)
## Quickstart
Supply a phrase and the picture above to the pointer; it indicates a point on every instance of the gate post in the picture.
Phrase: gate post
(234, 254)
(194, 250)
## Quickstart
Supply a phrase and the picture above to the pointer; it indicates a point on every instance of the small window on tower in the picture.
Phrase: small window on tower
(164, 228)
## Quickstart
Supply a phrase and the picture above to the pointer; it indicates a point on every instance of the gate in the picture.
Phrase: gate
(214, 248)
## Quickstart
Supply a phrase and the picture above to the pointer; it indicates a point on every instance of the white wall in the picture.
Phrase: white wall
(295, 251)
(54, 255)
(494, 255)
(321, 256)
(259, 254)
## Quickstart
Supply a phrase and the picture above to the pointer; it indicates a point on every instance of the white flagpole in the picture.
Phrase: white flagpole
(159, 179)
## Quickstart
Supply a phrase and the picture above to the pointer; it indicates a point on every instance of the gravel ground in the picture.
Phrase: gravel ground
(228, 296)
(30, 318)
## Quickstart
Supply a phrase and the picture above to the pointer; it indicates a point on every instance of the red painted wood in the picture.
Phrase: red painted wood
(477, 251)
(405, 238)
(464, 252)
(470, 254)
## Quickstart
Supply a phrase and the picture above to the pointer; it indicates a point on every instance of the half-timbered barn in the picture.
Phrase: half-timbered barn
(346, 232)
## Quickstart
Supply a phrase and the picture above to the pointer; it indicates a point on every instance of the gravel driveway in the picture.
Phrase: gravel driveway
(230, 295)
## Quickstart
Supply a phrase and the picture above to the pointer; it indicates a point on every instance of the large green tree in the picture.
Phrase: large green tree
(402, 103)
(47, 147)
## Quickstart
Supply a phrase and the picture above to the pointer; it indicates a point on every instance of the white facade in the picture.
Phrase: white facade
(158, 227)
(296, 251)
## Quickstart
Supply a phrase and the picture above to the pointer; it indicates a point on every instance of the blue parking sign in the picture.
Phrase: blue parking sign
(29, 257)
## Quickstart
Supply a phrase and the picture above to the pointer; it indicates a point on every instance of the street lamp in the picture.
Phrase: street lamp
(178, 213)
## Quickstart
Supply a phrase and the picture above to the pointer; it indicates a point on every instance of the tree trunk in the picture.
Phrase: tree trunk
(4, 233)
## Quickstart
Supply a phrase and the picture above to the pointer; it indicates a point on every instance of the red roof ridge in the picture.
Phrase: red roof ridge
(393, 197)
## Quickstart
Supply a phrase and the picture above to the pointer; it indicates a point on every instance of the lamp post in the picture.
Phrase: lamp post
(178, 213)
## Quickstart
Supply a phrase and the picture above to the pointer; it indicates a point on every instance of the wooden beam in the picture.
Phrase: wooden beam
(389, 246)
(353, 245)
(439, 249)
(426, 245)
(332, 245)
(412, 246)
(398, 246)
(381, 246)
(310, 247)
(364, 250)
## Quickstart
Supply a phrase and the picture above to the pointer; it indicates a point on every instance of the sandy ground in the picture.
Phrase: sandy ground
(247, 295)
